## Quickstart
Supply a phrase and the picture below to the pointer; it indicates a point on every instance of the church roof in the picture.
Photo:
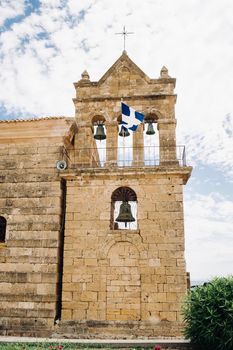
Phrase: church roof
(35, 119)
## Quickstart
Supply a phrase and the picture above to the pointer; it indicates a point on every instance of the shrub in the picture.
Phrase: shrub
(208, 315)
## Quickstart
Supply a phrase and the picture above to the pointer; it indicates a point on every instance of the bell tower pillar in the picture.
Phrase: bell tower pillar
(167, 142)
(111, 143)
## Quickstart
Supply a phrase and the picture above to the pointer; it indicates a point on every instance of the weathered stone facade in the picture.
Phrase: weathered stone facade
(63, 258)
(30, 188)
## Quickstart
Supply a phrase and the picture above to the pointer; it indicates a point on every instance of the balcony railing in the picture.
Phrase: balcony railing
(148, 156)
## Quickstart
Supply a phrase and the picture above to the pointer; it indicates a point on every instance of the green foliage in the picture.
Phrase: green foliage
(208, 315)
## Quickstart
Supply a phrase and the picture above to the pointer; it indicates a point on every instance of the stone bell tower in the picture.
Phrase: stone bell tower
(124, 280)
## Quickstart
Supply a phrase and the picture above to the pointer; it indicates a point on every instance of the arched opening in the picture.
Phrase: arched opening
(98, 122)
(123, 209)
(2, 229)
(125, 145)
(151, 140)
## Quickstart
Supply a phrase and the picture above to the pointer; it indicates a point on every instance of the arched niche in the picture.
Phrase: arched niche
(151, 141)
(3, 224)
(98, 121)
(120, 195)
(124, 146)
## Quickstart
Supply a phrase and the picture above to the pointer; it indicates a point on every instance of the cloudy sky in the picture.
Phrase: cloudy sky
(46, 44)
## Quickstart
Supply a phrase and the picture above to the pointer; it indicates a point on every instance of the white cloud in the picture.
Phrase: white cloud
(11, 9)
(209, 235)
(212, 146)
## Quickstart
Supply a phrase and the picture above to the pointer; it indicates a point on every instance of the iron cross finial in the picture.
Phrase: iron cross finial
(124, 33)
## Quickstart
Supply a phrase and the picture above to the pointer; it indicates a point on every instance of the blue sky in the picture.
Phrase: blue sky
(46, 45)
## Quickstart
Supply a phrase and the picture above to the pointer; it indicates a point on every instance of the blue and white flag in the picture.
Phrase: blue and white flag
(131, 118)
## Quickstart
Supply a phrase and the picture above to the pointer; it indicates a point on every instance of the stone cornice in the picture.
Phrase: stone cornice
(126, 98)
(128, 172)
(84, 83)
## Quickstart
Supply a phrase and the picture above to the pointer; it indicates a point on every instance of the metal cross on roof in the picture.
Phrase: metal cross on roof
(124, 33)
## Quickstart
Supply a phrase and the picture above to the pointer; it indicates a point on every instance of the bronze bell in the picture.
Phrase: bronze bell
(124, 132)
(100, 134)
(125, 214)
(150, 129)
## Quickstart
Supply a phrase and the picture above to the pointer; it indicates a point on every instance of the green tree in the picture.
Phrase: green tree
(208, 315)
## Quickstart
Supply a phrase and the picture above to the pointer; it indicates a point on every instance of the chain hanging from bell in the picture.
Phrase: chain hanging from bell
(150, 129)
(125, 214)
(124, 132)
(100, 134)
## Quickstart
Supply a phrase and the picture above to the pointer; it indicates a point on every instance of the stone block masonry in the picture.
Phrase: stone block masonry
(30, 201)
(124, 275)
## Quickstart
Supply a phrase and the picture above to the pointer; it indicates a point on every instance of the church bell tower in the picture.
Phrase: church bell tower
(124, 270)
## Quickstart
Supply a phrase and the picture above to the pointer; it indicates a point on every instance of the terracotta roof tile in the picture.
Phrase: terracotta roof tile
(33, 119)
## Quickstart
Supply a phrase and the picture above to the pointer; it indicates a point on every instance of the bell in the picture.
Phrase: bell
(125, 214)
(124, 132)
(150, 129)
(100, 134)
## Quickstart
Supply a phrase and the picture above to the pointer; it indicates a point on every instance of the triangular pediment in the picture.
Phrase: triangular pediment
(122, 67)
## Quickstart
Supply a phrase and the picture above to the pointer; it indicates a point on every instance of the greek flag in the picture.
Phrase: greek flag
(131, 118)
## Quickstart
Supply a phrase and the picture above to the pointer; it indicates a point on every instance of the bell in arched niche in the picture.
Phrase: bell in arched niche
(124, 132)
(100, 133)
(124, 208)
(150, 128)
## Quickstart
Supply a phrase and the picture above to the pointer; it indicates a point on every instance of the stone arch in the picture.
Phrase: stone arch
(114, 250)
(151, 117)
(124, 193)
(153, 113)
(113, 239)
(98, 118)
(124, 70)
(119, 118)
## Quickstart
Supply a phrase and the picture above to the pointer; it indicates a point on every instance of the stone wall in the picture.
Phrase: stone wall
(30, 200)
(125, 275)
